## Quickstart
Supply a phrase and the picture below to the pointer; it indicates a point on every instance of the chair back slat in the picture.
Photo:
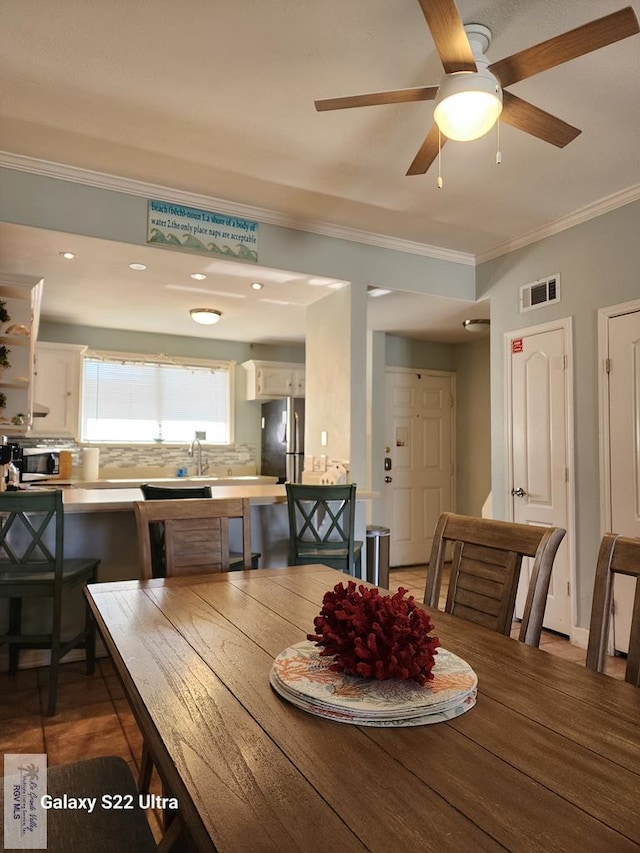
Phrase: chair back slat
(485, 570)
(617, 555)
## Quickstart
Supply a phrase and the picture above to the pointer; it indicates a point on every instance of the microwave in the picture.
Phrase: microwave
(39, 463)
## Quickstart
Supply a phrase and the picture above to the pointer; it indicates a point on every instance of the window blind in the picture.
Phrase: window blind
(147, 401)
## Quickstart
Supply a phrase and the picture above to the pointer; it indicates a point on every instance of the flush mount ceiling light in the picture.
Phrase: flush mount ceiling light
(205, 316)
(68, 256)
(198, 276)
(256, 285)
(476, 326)
(137, 266)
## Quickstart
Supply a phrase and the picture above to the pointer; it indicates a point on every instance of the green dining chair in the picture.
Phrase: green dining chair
(33, 566)
(322, 527)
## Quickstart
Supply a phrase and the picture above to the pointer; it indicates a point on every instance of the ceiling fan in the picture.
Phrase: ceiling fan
(462, 52)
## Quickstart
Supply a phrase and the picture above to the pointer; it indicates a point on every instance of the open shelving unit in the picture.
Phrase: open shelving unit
(22, 296)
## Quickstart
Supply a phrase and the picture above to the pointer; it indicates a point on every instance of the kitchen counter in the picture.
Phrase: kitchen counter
(83, 500)
(203, 480)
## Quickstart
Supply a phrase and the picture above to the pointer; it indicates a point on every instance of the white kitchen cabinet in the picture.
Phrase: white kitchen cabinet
(56, 385)
(272, 380)
(20, 296)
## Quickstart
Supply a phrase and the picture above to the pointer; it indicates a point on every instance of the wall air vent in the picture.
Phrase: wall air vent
(540, 293)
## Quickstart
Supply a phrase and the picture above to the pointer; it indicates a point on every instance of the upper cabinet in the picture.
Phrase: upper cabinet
(272, 380)
(20, 297)
(56, 387)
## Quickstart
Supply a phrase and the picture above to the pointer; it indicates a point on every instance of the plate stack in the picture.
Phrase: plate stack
(300, 675)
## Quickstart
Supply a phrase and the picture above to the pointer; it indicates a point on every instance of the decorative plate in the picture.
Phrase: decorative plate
(300, 675)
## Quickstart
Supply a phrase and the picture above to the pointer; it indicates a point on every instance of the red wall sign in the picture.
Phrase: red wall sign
(516, 345)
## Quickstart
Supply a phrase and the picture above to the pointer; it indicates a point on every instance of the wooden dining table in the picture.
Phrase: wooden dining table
(547, 760)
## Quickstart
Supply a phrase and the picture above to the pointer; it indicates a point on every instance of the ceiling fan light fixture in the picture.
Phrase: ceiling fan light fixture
(468, 104)
(205, 316)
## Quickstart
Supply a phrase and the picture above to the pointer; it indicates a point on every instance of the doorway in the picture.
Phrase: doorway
(419, 459)
(539, 446)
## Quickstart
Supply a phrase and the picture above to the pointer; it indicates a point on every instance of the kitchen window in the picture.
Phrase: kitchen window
(154, 400)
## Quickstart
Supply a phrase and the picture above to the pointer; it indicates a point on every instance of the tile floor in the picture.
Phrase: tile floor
(93, 716)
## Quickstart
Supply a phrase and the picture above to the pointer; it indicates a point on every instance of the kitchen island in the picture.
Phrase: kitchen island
(100, 522)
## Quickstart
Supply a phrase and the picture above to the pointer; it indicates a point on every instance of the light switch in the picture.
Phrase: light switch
(323, 438)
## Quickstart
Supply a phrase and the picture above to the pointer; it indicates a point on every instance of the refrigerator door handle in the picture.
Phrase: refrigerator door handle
(296, 432)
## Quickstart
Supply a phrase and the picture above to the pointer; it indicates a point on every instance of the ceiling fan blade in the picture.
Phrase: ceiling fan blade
(537, 122)
(570, 45)
(427, 153)
(397, 96)
(447, 31)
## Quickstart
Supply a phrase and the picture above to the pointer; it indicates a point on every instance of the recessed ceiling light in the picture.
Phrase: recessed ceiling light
(137, 266)
(205, 316)
(198, 276)
(68, 256)
(256, 285)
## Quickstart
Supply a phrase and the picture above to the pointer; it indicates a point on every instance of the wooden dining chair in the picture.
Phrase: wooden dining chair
(486, 560)
(617, 555)
(152, 492)
(196, 535)
(322, 526)
(195, 540)
(33, 566)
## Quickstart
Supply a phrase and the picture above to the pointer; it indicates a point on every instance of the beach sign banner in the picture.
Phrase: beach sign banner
(174, 226)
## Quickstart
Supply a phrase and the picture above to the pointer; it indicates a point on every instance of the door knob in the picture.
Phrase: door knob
(388, 479)
(519, 492)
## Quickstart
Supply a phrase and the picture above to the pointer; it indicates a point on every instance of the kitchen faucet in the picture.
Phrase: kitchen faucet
(200, 467)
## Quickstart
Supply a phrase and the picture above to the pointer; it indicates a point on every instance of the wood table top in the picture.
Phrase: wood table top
(548, 759)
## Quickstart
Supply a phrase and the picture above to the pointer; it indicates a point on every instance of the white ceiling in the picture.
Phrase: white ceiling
(216, 98)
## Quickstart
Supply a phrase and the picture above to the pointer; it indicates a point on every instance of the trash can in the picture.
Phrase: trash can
(378, 555)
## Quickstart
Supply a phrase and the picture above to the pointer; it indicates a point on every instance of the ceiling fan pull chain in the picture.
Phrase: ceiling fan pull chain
(440, 181)
(498, 151)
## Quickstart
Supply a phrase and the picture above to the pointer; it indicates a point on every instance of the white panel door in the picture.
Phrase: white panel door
(539, 446)
(418, 434)
(624, 452)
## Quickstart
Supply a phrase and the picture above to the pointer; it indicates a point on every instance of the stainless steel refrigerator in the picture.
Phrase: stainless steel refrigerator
(282, 453)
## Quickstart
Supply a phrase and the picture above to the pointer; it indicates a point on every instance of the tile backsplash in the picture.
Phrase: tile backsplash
(170, 457)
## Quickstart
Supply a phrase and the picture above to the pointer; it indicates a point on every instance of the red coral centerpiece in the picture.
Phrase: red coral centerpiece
(376, 636)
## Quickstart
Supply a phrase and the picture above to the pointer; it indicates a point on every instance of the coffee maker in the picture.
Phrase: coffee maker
(10, 458)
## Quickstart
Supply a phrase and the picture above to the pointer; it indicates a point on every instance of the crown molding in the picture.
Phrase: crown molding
(584, 214)
(130, 186)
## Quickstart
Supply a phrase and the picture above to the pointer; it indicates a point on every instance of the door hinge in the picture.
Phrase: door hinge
(566, 475)
(565, 361)
(607, 365)
(568, 588)
(451, 402)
